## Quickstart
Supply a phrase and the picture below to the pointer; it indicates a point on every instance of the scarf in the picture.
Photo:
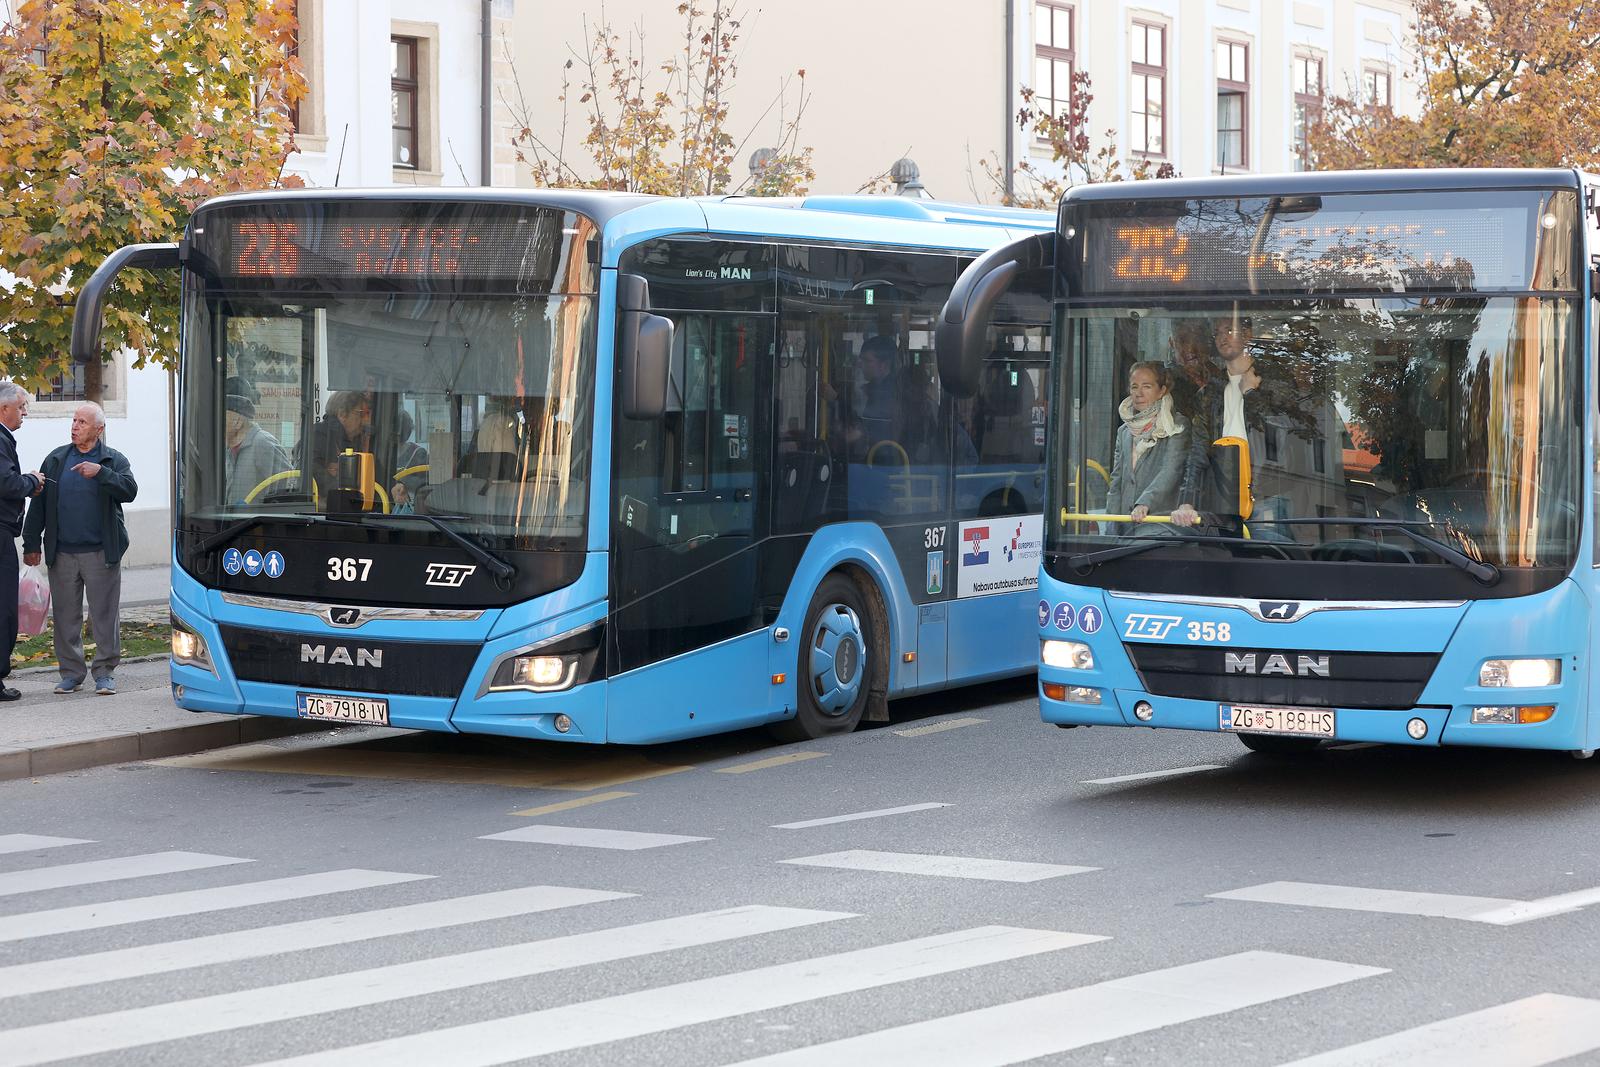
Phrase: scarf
(1148, 425)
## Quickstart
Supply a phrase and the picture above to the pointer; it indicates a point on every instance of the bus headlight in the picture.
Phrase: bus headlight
(542, 674)
(189, 648)
(1071, 655)
(1519, 673)
(549, 666)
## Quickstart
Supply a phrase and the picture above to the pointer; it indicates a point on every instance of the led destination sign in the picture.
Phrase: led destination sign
(1520, 240)
(438, 244)
(273, 249)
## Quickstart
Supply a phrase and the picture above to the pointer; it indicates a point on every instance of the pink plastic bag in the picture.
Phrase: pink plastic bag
(33, 602)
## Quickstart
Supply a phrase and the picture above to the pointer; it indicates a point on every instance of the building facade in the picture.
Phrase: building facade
(1205, 85)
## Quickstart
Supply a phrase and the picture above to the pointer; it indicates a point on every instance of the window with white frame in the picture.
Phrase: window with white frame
(1233, 104)
(1377, 87)
(1306, 76)
(1054, 59)
(1147, 135)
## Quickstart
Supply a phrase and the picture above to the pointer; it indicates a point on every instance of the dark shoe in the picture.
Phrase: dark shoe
(7, 693)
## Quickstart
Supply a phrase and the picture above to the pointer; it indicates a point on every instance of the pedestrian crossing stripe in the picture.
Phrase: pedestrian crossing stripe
(652, 1011)
(10, 843)
(1530, 1032)
(118, 1031)
(1496, 911)
(66, 875)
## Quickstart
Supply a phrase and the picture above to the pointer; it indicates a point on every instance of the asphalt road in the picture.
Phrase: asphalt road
(346, 895)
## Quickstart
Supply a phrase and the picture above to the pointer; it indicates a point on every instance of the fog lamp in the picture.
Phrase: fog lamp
(1071, 655)
(1519, 673)
(1143, 711)
(1417, 728)
(563, 724)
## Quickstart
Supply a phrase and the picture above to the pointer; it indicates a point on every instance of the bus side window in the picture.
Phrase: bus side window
(999, 441)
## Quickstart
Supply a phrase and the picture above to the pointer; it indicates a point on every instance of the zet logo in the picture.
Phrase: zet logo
(1154, 627)
(976, 555)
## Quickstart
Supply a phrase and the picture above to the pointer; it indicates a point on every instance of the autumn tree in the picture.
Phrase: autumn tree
(1076, 157)
(662, 127)
(1502, 83)
(117, 117)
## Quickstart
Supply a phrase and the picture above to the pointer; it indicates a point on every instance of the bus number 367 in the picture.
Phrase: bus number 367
(346, 569)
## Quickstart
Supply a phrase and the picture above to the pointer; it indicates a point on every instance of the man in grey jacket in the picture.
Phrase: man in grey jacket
(253, 454)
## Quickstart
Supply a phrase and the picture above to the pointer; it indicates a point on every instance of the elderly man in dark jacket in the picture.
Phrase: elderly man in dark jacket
(84, 535)
(15, 489)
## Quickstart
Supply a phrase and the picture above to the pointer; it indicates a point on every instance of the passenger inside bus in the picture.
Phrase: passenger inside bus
(1152, 447)
(253, 455)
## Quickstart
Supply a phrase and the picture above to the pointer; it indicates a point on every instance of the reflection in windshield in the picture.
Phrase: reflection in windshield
(1456, 416)
(473, 408)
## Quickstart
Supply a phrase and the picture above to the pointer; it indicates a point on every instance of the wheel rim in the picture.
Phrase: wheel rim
(838, 659)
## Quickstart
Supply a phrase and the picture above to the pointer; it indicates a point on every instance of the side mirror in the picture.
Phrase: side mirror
(87, 313)
(1233, 460)
(644, 351)
(962, 334)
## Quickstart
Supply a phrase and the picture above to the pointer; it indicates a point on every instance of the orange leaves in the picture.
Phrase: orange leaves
(1500, 83)
(139, 110)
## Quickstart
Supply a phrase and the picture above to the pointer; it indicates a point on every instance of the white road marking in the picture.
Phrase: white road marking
(584, 837)
(145, 960)
(1496, 911)
(860, 859)
(1145, 775)
(654, 1011)
(806, 824)
(1524, 1033)
(30, 842)
(192, 902)
(135, 1027)
(940, 727)
(1059, 1022)
(71, 874)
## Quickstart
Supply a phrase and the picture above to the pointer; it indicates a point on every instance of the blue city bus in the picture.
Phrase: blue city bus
(590, 466)
(1388, 386)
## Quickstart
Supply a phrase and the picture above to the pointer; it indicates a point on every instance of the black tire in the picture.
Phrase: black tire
(834, 666)
(1273, 745)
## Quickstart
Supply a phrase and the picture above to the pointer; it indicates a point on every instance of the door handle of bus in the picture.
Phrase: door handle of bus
(741, 495)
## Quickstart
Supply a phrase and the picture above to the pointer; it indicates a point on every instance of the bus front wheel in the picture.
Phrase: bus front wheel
(835, 664)
(1274, 745)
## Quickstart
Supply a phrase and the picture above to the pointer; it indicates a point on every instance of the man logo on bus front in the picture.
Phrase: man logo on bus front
(449, 575)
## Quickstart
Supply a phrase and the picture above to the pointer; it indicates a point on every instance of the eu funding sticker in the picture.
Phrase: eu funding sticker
(999, 555)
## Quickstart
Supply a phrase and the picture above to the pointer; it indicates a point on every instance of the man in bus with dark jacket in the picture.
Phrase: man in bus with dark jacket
(79, 518)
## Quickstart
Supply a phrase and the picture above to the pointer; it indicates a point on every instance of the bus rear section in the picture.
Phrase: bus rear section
(1374, 530)
(594, 467)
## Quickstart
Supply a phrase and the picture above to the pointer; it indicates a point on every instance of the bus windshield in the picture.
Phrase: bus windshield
(1434, 436)
(416, 381)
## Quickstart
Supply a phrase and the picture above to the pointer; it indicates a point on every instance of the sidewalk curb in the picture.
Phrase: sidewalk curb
(159, 743)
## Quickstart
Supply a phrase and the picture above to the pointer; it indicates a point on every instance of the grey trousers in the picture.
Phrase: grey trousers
(72, 576)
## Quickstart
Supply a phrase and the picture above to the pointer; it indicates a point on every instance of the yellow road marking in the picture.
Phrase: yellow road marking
(772, 761)
(568, 805)
(939, 727)
(564, 767)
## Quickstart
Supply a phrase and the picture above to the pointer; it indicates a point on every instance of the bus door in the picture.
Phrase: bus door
(690, 511)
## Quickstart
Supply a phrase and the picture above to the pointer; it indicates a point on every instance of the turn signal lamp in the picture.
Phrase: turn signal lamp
(1514, 715)
(1519, 673)
(1054, 691)
(1071, 655)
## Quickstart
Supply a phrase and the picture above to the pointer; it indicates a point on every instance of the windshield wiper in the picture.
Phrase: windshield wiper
(1084, 562)
(1484, 573)
(503, 572)
(232, 530)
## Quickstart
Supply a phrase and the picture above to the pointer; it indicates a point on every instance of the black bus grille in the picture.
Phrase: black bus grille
(347, 662)
(1292, 677)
